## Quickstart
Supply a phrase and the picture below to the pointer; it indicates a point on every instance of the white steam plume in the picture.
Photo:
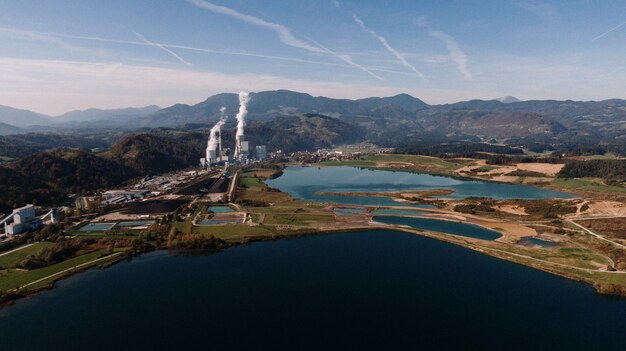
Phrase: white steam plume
(217, 128)
(244, 98)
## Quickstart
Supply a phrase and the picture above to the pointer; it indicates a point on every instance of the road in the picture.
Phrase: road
(69, 269)
(596, 234)
(18, 249)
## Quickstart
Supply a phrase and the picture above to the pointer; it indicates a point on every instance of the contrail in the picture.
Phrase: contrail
(609, 31)
(223, 52)
(142, 38)
(190, 48)
(393, 51)
(285, 34)
(456, 54)
(347, 59)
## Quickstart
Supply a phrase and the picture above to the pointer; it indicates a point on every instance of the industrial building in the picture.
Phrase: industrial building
(245, 151)
(24, 220)
(261, 152)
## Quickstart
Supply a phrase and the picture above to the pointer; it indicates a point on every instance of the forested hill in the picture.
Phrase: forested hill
(46, 178)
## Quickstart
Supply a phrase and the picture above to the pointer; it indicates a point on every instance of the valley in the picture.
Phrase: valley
(384, 191)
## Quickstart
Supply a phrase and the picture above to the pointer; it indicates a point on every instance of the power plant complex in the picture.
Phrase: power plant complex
(245, 150)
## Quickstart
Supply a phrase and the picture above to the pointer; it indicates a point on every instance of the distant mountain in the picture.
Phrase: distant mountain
(508, 99)
(388, 121)
(267, 105)
(7, 129)
(22, 118)
(94, 114)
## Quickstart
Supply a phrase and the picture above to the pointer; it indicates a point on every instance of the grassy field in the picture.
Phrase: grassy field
(233, 232)
(586, 184)
(298, 218)
(249, 181)
(16, 257)
(11, 279)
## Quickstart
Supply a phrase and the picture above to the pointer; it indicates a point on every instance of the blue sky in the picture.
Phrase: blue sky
(57, 56)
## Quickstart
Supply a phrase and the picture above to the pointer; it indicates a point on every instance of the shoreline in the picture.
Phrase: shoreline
(473, 244)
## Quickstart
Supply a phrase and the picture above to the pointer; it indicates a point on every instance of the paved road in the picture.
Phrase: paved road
(18, 249)
(70, 269)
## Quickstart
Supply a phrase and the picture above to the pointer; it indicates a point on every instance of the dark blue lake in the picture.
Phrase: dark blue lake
(306, 182)
(375, 290)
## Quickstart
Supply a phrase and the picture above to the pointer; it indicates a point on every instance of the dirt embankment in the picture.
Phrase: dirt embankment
(403, 194)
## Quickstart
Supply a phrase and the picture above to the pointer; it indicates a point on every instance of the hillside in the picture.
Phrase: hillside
(7, 129)
(22, 118)
(94, 114)
(46, 178)
(388, 121)
(159, 152)
(305, 132)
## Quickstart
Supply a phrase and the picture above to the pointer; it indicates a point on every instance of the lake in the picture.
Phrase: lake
(305, 182)
(371, 290)
(438, 225)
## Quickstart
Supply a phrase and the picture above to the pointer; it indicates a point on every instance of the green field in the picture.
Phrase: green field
(586, 184)
(248, 181)
(297, 218)
(11, 279)
(10, 260)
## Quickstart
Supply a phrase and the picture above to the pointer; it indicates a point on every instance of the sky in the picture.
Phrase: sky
(62, 55)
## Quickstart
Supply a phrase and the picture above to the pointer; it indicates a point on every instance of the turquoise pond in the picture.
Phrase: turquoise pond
(96, 227)
(220, 209)
(348, 211)
(307, 182)
(437, 225)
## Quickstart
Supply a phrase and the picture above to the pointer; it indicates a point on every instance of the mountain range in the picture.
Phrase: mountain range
(93, 118)
(394, 120)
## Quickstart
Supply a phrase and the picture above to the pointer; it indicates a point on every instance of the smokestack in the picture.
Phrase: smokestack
(244, 99)
(213, 143)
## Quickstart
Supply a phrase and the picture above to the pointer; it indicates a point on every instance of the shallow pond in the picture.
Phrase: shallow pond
(307, 182)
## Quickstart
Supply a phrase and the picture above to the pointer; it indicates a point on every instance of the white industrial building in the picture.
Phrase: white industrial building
(22, 220)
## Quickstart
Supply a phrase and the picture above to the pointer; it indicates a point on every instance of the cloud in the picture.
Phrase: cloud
(454, 50)
(393, 51)
(456, 54)
(546, 12)
(609, 31)
(162, 47)
(336, 4)
(49, 38)
(284, 34)
(55, 86)
(347, 59)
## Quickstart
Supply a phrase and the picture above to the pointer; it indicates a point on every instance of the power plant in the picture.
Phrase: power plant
(245, 150)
